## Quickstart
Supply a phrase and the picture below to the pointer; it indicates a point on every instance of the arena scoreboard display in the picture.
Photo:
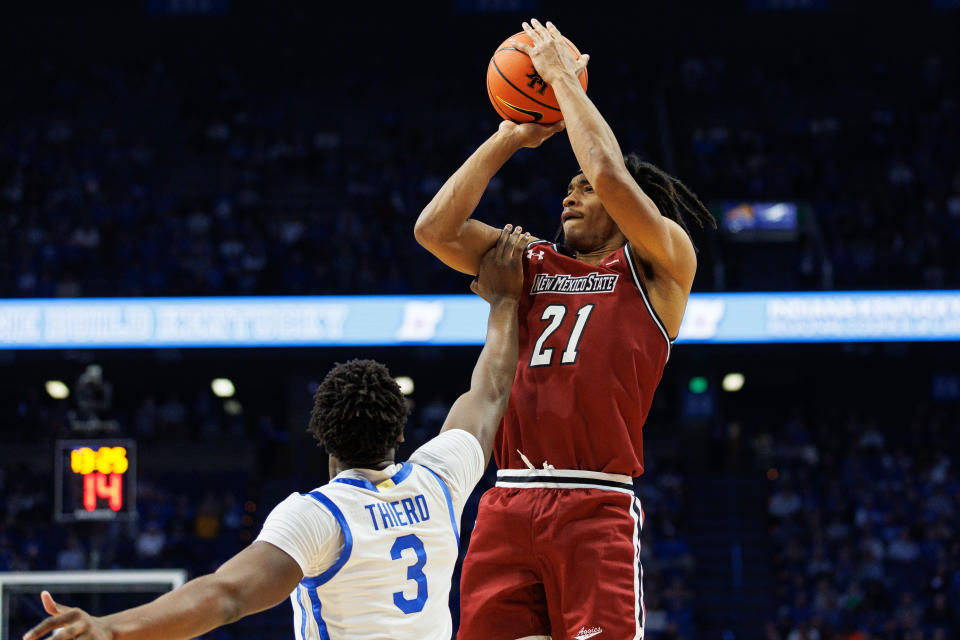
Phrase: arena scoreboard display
(95, 480)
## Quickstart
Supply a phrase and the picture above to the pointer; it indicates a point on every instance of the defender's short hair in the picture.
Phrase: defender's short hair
(358, 412)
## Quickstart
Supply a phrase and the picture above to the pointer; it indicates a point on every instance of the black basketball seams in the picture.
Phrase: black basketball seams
(517, 89)
(493, 101)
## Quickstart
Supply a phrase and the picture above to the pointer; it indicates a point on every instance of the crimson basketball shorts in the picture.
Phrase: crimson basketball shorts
(554, 553)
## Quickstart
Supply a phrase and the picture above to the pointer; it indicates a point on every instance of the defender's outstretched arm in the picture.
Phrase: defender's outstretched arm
(255, 579)
(500, 282)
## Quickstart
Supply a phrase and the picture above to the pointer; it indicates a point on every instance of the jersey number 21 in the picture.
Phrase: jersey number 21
(555, 313)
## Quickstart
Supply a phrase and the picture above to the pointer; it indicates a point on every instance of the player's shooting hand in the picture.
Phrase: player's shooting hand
(528, 134)
(68, 622)
(551, 56)
(501, 269)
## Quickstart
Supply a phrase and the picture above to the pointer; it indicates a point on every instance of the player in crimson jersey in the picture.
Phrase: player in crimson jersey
(555, 550)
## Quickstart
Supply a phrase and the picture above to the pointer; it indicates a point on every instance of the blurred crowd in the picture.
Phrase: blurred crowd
(872, 145)
(865, 515)
(178, 527)
(668, 561)
(163, 178)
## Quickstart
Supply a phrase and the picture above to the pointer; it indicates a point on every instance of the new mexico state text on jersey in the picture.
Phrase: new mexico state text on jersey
(592, 351)
(563, 283)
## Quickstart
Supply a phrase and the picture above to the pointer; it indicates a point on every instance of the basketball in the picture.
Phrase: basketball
(517, 91)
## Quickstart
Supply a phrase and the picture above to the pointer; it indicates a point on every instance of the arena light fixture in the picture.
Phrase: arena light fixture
(698, 384)
(223, 387)
(406, 384)
(57, 389)
(733, 381)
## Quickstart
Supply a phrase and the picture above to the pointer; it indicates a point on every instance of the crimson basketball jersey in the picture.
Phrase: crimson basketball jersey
(592, 351)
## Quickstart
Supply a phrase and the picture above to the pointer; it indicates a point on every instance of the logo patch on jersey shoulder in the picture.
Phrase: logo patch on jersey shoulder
(564, 283)
(534, 255)
(588, 632)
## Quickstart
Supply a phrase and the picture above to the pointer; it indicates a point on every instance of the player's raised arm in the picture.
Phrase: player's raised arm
(657, 239)
(500, 282)
(444, 227)
(255, 579)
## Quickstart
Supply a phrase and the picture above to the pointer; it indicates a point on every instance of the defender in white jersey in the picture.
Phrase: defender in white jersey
(371, 554)
(381, 545)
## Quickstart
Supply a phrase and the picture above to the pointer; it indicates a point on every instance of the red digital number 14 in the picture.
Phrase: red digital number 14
(101, 485)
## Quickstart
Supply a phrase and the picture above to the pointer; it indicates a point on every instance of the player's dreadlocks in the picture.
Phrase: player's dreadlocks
(358, 412)
(674, 199)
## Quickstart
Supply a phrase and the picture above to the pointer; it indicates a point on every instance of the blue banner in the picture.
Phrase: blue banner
(890, 316)
(451, 320)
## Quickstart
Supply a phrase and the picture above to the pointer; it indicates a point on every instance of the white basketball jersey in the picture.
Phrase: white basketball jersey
(392, 579)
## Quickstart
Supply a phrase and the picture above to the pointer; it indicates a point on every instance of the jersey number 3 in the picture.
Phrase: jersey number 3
(554, 313)
(414, 572)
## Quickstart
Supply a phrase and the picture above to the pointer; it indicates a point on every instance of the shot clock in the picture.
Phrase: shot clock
(95, 480)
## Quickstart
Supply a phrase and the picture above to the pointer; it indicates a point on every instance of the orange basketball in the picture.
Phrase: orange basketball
(517, 91)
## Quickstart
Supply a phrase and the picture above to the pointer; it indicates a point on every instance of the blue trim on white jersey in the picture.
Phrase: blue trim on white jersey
(405, 469)
(315, 605)
(446, 493)
(358, 482)
(303, 613)
(313, 583)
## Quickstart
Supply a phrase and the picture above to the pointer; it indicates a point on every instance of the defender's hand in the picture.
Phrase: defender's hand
(551, 56)
(528, 134)
(69, 622)
(501, 269)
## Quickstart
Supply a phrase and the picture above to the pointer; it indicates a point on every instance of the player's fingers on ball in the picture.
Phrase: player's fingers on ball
(520, 46)
(545, 33)
(530, 31)
(552, 28)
